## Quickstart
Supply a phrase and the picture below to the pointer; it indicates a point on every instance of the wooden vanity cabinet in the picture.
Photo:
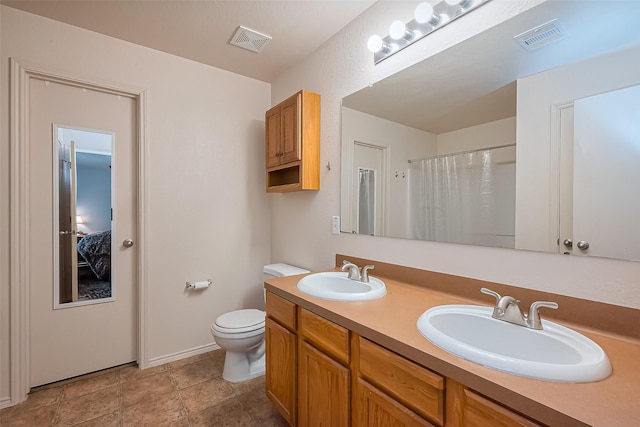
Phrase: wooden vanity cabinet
(319, 373)
(292, 144)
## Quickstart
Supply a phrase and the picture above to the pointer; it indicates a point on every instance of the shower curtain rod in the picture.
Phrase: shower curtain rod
(462, 152)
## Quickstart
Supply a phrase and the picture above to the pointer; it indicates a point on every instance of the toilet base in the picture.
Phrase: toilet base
(238, 367)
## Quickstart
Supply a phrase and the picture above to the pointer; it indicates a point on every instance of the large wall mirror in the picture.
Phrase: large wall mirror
(82, 216)
(530, 144)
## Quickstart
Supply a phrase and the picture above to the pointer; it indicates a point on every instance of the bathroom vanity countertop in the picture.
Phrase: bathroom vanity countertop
(391, 322)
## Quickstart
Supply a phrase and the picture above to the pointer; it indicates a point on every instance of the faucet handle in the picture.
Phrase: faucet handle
(492, 293)
(533, 319)
(365, 273)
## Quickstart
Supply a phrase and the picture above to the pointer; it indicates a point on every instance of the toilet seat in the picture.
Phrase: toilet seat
(240, 321)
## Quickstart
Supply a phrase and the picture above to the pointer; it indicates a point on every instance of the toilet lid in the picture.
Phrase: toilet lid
(242, 319)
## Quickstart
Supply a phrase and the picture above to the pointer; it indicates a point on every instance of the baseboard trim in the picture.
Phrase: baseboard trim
(5, 402)
(161, 360)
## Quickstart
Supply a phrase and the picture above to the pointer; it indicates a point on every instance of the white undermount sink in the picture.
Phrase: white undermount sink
(555, 353)
(337, 286)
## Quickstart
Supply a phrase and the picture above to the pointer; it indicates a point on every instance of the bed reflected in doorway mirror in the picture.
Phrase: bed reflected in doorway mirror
(82, 216)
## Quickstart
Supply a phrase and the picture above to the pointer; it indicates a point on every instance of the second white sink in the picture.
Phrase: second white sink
(554, 353)
(337, 286)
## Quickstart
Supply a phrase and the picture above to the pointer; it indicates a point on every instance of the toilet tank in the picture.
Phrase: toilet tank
(281, 270)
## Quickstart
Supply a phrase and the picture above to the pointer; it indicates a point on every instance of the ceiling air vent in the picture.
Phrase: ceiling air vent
(541, 35)
(249, 39)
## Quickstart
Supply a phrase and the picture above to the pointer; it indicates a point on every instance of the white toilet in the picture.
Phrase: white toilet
(241, 334)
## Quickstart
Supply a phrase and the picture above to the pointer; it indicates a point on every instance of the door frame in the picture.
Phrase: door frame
(555, 172)
(383, 176)
(20, 212)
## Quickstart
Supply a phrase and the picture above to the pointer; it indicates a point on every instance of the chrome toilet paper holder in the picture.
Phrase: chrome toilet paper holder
(199, 285)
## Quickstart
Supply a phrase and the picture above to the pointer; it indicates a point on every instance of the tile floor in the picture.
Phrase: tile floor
(185, 393)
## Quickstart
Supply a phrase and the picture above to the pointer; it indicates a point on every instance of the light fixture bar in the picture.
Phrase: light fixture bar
(442, 13)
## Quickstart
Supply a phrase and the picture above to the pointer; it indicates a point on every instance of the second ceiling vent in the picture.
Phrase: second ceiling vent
(249, 39)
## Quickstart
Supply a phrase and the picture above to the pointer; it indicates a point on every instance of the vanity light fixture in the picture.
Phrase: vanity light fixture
(427, 19)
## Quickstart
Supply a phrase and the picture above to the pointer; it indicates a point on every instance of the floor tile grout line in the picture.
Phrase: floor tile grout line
(54, 421)
(183, 407)
(120, 401)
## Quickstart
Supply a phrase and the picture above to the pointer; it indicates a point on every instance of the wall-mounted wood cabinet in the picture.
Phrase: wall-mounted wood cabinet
(292, 144)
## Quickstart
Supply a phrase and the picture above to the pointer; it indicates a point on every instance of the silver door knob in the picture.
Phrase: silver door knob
(127, 243)
(568, 243)
(583, 245)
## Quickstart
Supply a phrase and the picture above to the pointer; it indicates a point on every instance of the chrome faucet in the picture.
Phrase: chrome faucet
(507, 308)
(354, 271)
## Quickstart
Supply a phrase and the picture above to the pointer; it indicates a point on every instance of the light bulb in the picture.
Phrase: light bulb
(423, 12)
(453, 2)
(397, 30)
(375, 43)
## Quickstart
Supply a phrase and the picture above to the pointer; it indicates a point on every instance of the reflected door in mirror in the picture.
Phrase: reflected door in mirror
(368, 189)
(606, 175)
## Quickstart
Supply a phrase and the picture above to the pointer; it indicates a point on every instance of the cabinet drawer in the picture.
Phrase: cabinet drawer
(281, 310)
(480, 411)
(407, 382)
(325, 335)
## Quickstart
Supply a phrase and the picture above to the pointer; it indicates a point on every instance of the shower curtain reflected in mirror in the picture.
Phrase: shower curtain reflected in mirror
(464, 198)
(366, 201)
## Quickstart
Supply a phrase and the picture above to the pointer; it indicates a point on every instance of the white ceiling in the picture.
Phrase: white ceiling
(200, 30)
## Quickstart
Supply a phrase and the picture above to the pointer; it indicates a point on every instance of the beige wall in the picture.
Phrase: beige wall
(208, 211)
(343, 66)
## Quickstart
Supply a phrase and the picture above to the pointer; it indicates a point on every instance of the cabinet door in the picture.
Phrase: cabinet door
(290, 118)
(272, 136)
(374, 408)
(281, 369)
(323, 389)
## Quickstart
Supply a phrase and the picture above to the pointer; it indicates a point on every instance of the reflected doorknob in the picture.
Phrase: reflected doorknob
(127, 243)
(568, 243)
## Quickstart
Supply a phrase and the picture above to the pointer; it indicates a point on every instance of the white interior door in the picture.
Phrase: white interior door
(74, 226)
(80, 337)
